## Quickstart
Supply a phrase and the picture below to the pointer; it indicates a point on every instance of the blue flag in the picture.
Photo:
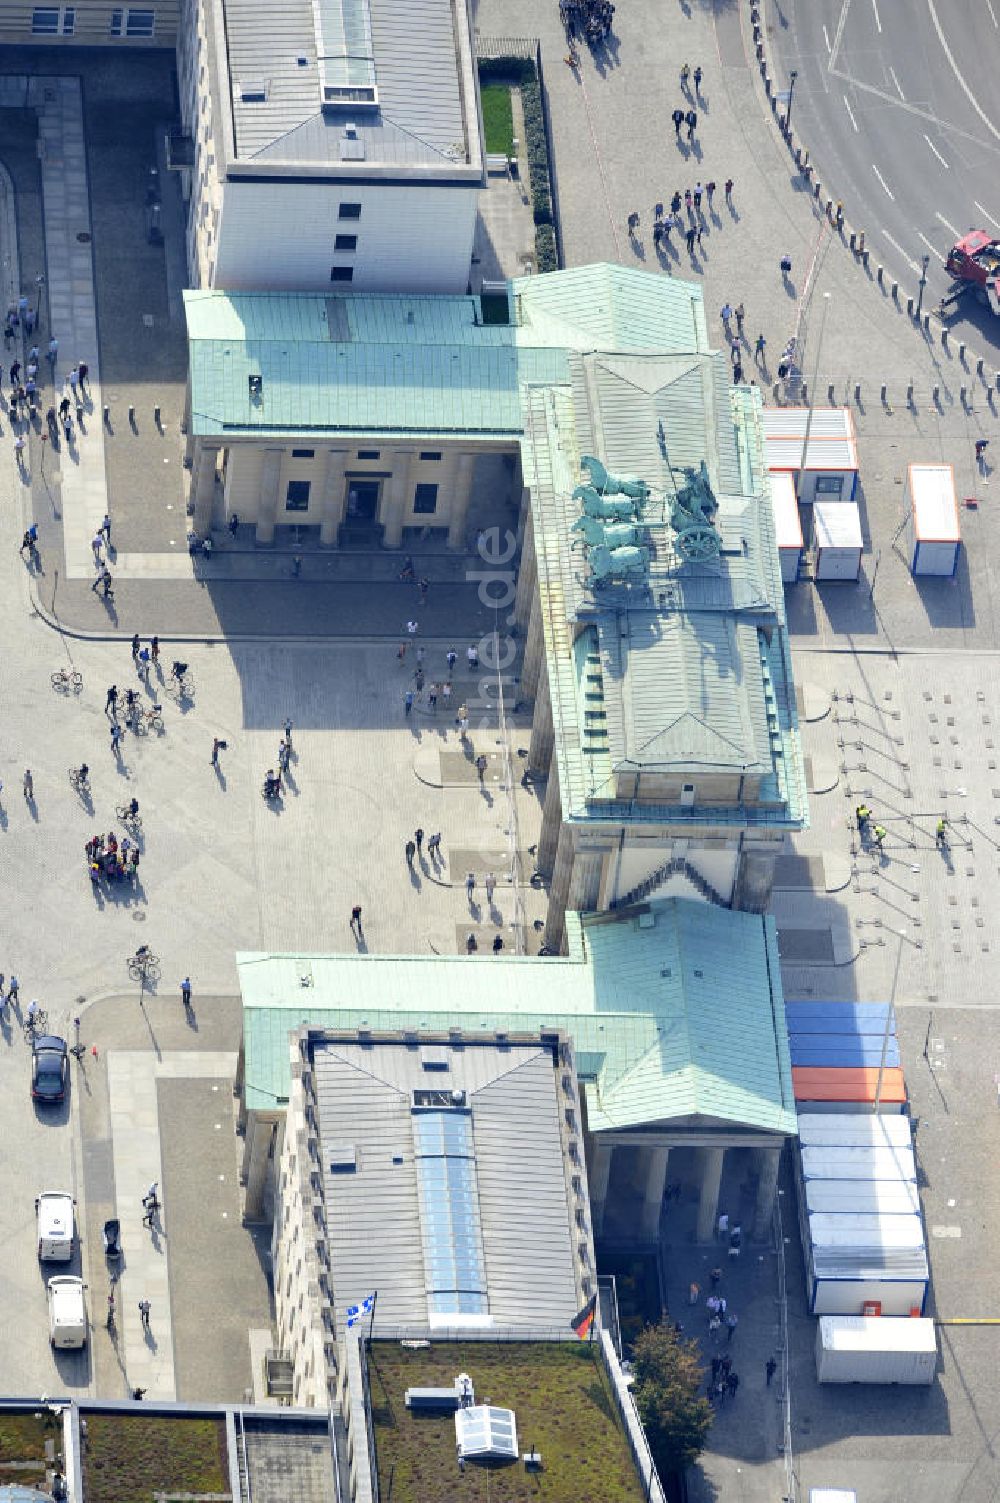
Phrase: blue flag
(356, 1313)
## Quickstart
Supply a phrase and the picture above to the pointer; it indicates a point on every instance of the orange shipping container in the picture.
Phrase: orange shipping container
(847, 1083)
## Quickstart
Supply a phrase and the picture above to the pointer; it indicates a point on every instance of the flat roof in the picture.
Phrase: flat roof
(832, 442)
(785, 506)
(935, 507)
(351, 86)
(674, 1009)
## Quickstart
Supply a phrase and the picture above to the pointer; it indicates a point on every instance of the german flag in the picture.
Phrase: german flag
(582, 1323)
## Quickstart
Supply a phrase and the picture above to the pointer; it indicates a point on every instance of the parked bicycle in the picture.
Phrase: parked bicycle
(129, 814)
(146, 719)
(67, 681)
(144, 965)
(35, 1023)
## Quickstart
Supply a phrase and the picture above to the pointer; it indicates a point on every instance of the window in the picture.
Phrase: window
(430, 454)
(53, 21)
(253, 93)
(349, 211)
(297, 495)
(133, 23)
(341, 273)
(369, 454)
(425, 499)
(303, 453)
(346, 243)
(829, 485)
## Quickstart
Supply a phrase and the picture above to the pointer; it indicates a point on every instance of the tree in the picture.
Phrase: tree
(668, 1377)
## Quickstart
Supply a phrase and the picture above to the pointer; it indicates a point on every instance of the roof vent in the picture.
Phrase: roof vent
(352, 148)
(254, 91)
(434, 1057)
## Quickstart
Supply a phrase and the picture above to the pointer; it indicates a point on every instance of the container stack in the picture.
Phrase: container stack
(859, 1211)
(836, 1050)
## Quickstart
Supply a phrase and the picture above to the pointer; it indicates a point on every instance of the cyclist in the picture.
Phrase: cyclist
(83, 773)
(142, 955)
(130, 699)
(179, 669)
(133, 808)
(33, 1011)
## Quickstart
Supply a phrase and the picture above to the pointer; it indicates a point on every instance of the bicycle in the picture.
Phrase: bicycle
(144, 967)
(67, 680)
(144, 719)
(35, 1025)
(80, 780)
(124, 813)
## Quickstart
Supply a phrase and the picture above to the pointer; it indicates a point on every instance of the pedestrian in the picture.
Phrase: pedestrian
(714, 1326)
(446, 692)
(472, 656)
(981, 444)
(675, 202)
(691, 121)
(139, 1393)
(759, 348)
(716, 1368)
(217, 745)
(685, 75)
(288, 733)
(729, 190)
(411, 851)
(497, 943)
(694, 1293)
(144, 1308)
(20, 444)
(741, 314)
(434, 847)
(678, 118)
(940, 835)
(296, 565)
(726, 313)
(418, 836)
(418, 679)
(13, 990)
(770, 1368)
(689, 238)
(53, 350)
(73, 379)
(411, 627)
(880, 833)
(28, 787)
(732, 1320)
(712, 1305)
(470, 943)
(451, 658)
(470, 885)
(734, 350)
(135, 646)
(111, 700)
(732, 1383)
(116, 736)
(233, 525)
(30, 319)
(186, 993)
(401, 653)
(723, 1302)
(481, 767)
(722, 1226)
(785, 266)
(432, 696)
(423, 586)
(697, 78)
(154, 649)
(737, 374)
(15, 373)
(698, 190)
(408, 702)
(715, 1275)
(709, 191)
(697, 236)
(356, 921)
(83, 371)
(97, 543)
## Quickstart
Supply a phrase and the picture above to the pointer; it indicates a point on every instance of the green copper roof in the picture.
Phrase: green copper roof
(675, 1011)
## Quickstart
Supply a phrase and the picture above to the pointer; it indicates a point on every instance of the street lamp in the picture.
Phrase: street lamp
(793, 75)
(922, 284)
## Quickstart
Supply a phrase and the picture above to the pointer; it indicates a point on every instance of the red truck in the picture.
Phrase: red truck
(974, 262)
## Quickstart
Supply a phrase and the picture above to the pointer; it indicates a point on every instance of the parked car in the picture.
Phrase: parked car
(54, 1213)
(67, 1311)
(48, 1068)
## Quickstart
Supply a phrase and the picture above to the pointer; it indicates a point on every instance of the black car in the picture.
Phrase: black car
(48, 1068)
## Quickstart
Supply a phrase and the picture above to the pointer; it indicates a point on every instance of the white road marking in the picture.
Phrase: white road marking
(954, 68)
(989, 7)
(878, 23)
(986, 213)
(932, 248)
(896, 82)
(896, 246)
(847, 107)
(826, 38)
(934, 149)
(882, 180)
(947, 226)
(840, 30)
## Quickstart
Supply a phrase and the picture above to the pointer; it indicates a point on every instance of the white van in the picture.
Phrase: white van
(54, 1213)
(67, 1311)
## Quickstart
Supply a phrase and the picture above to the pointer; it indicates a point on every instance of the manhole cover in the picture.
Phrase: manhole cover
(84, 237)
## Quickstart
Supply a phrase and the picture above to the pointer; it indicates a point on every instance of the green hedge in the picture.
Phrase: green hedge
(523, 72)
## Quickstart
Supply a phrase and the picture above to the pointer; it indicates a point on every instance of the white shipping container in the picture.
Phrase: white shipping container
(877, 1197)
(860, 1232)
(858, 1163)
(853, 1130)
(932, 527)
(875, 1349)
(839, 543)
(850, 1296)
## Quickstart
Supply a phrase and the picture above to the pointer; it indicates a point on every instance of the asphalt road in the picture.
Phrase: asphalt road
(896, 102)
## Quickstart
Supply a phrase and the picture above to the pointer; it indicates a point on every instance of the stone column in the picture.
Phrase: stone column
(256, 1159)
(267, 506)
(534, 652)
(204, 468)
(459, 510)
(599, 1176)
(548, 840)
(708, 1200)
(396, 498)
(656, 1180)
(767, 1184)
(527, 577)
(332, 513)
(542, 729)
(562, 871)
(585, 884)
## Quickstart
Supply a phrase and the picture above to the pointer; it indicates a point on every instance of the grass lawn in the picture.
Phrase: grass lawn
(22, 1440)
(562, 1405)
(128, 1458)
(498, 122)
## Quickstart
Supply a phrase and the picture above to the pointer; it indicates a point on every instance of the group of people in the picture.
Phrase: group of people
(272, 780)
(589, 19)
(111, 861)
